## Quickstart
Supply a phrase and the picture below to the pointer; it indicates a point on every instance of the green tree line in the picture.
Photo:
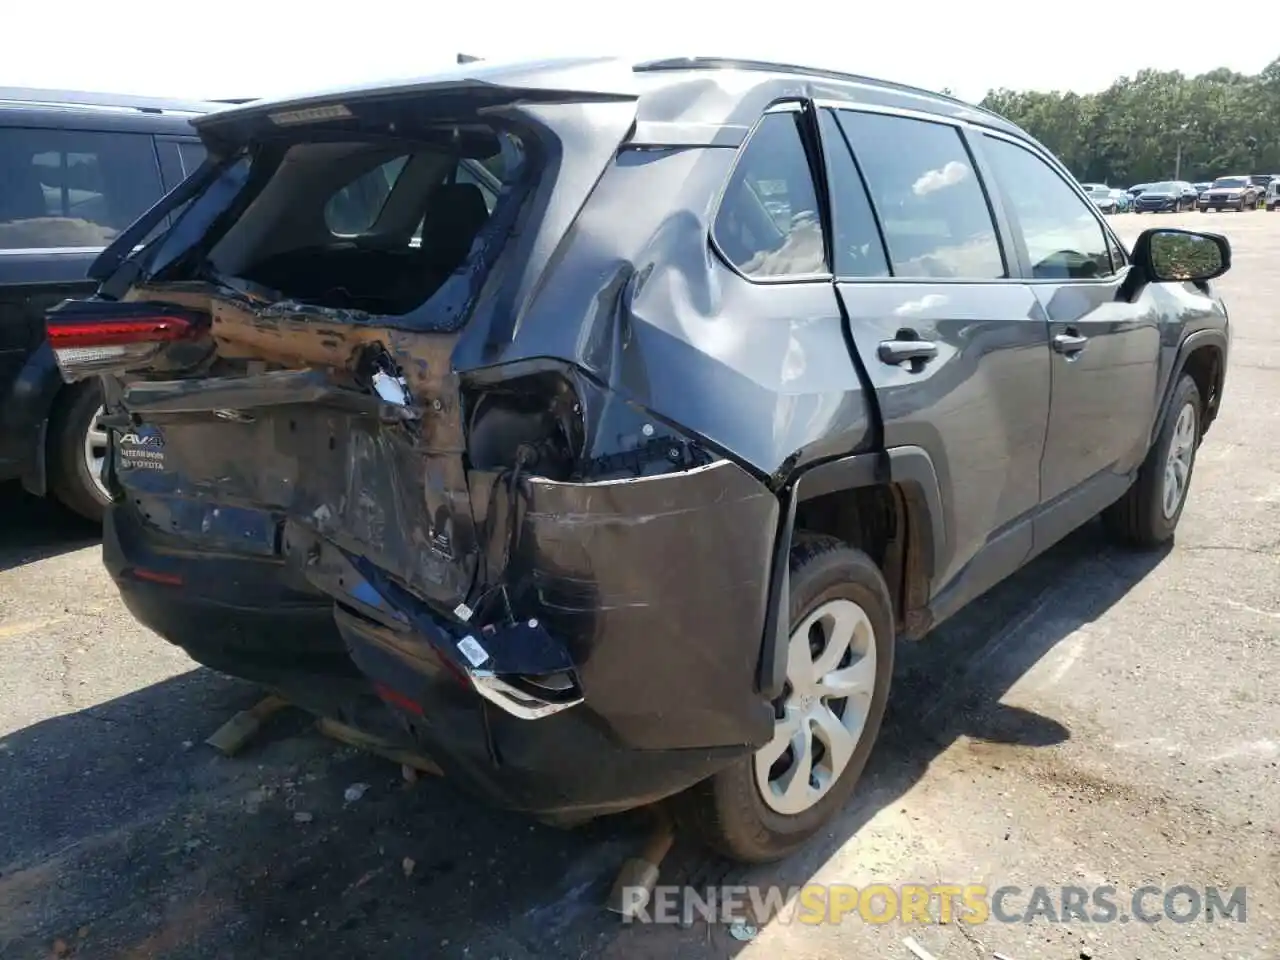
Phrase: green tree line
(1225, 123)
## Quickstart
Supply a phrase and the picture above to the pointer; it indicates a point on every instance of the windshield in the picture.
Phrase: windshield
(1095, 188)
(1231, 182)
(1162, 188)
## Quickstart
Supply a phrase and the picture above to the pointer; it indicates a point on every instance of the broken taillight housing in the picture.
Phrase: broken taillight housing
(90, 337)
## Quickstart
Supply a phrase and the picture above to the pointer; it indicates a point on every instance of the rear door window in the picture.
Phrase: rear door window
(170, 163)
(192, 153)
(354, 209)
(768, 223)
(466, 174)
(933, 210)
(856, 249)
(73, 188)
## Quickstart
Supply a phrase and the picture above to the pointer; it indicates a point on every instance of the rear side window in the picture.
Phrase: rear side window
(933, 210)
(1064, 239)
(354, 209)
(465, 174)
(856, 247)
(768, 223)
(192, 155)
(72, 188)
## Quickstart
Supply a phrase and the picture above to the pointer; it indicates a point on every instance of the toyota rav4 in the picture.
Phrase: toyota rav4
(597, 428)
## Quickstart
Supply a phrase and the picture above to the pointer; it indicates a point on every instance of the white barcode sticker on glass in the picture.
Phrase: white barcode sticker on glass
(472, 650)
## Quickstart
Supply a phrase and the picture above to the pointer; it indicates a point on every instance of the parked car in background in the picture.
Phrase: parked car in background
(75, 170)
(1134, 191)
(1272, 197)
(449, 447)
(1101, 195)
(1230, 193)
(1170, 196)
(1261, 181)
(1202, 186)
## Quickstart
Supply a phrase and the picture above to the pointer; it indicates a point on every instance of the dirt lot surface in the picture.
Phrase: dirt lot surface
(1103, 718)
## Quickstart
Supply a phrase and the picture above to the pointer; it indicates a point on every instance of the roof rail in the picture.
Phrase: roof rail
(29, 96)
(730, 63)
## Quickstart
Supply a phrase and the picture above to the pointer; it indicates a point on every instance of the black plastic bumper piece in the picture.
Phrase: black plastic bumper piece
(565, 767)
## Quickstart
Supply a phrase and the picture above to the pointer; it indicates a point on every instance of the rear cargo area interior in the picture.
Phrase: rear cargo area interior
(371, 226)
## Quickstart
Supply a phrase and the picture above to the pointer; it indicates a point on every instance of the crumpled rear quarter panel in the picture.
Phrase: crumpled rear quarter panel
(659, 587)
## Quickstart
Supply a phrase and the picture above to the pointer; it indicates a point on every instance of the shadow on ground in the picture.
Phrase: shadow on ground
(127, 837)
(34, 529)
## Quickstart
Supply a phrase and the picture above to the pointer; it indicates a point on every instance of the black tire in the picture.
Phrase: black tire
(727, 811)
(69, 478)
(1138, 519)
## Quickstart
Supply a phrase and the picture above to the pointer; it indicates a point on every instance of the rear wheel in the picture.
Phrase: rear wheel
(1148, 513)
(77, 450)
(839, 664)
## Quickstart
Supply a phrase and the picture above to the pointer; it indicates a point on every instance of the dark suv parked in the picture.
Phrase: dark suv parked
(597, 428)
(1172, 196)
(75, 170)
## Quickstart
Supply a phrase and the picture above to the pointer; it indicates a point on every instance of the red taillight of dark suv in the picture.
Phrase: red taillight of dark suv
(94, 337)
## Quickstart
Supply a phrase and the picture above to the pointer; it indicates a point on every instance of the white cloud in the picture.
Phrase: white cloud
(954, 172)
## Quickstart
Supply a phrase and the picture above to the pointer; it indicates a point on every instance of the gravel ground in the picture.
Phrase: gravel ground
(1102, 718)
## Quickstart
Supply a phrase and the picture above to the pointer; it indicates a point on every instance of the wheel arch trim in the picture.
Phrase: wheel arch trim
(910, 468)
(1191, 343)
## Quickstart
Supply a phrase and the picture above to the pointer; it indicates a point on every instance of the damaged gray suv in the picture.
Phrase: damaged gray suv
(596, 428)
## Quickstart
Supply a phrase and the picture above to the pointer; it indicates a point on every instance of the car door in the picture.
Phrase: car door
(1105, 349)
(954, 344)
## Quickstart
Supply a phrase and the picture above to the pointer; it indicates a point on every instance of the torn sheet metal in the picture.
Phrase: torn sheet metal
(359, 435)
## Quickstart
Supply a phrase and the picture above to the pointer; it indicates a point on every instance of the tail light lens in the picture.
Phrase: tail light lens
(90, 338)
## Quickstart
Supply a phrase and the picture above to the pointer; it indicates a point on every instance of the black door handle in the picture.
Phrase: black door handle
(901, 351)
(1069, 343)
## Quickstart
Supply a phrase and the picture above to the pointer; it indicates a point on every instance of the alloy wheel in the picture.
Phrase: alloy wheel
(95, 453)
(1177, 467)
(831, 676)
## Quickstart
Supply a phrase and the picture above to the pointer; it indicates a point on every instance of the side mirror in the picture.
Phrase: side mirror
(1167, 255)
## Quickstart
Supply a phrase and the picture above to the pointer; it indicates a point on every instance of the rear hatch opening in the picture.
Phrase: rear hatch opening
(370, 226)
(279, 379)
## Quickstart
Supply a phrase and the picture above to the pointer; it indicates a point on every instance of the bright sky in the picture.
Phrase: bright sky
(234, 48)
